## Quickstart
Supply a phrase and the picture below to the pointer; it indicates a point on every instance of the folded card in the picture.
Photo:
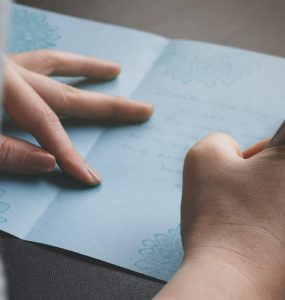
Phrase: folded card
(132, 219)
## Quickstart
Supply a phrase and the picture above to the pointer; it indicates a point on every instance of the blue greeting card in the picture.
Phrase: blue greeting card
(132, 219)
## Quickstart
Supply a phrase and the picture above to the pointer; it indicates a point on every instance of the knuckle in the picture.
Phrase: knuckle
(7, 148)
(50, 118)
(204, 150)
(193, 154)
(210, 144)
(68, 94)
(48, 59)
(115, 106)
(207, 157)
(69, 90)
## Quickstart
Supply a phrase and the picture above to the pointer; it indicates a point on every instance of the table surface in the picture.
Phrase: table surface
(41, 272)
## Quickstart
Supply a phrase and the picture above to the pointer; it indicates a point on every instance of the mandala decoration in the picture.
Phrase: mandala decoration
(162, 255)
(31, 31)
(3, 207)
(221, 66)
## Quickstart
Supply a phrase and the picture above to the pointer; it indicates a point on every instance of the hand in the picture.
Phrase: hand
(34, 102)
(232, 222)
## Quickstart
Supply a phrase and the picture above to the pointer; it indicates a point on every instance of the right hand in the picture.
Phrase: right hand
(233, 205)
(232, 223)
(33, 101)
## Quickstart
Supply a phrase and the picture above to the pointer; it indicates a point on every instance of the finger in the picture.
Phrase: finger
(30, 112)
(72, 102)
(253, 150)
(19, 157)
(48, 62)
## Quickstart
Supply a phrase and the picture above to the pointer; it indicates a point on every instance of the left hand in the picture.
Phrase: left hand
(34, 101)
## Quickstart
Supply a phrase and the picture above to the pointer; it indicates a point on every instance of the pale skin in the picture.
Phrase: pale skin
(233, 223)
(35, 102)
(233, 208)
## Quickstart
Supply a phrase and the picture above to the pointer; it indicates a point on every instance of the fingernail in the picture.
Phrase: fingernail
(114, 64)
(115, 69)
(95, 179)
(111, 63)
(40, 161)
(151, 107)
(148, 111)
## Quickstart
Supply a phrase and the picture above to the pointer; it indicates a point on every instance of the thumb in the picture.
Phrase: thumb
(17, 156)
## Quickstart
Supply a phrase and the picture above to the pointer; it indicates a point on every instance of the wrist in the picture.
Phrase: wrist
(207, 273)
(217, 274)
(253, 253)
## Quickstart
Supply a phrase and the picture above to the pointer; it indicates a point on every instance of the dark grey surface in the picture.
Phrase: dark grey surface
(41, 272)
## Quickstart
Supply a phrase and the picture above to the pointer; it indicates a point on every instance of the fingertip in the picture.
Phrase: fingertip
(115, 70)
(112, 70)
(73, 164)
(117, 67)
(39, 161)
(220, 143)
(135, 112)
(51, 162)
(94, 178)
(141, 112)
(149, 110)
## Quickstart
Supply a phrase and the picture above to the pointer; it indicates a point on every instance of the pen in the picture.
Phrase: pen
(279, 137)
